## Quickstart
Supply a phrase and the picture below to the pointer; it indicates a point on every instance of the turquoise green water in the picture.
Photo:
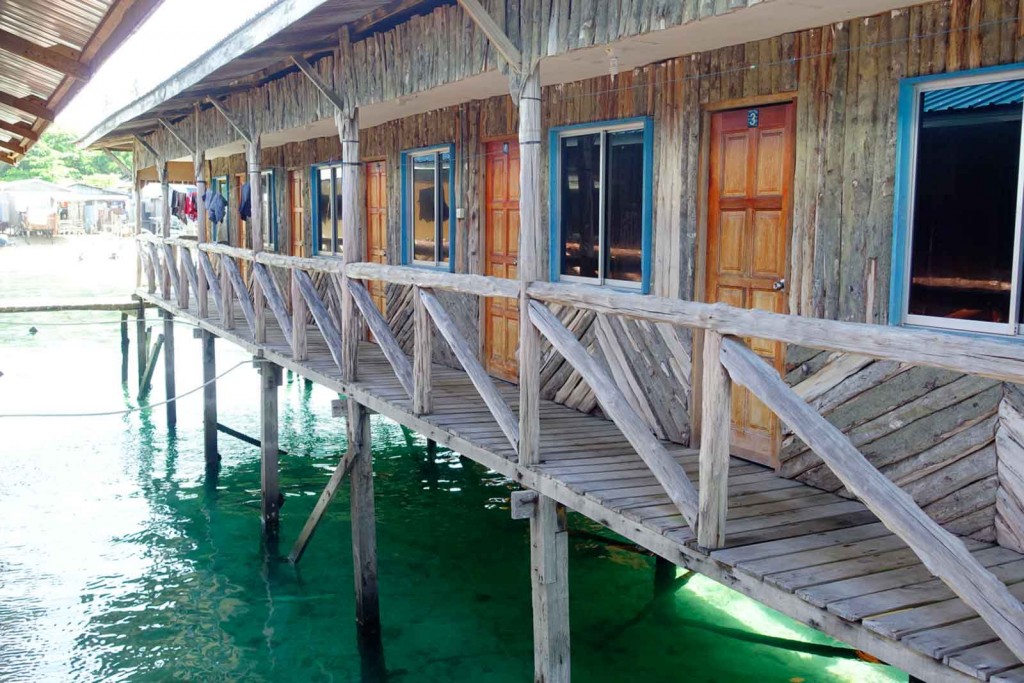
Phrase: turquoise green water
(120, 559)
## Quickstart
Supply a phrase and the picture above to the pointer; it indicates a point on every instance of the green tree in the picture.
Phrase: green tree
(56, 158)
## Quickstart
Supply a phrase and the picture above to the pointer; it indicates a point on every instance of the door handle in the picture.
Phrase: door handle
(779, 284)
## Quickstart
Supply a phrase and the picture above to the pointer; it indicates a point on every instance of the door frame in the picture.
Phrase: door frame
(701, 245)
(484, 227)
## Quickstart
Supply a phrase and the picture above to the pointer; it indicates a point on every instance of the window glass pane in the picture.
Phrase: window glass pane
(580, 202)
(423, 207)
(337, 208)
(624, 205)
(444, 221)
(965, 204)
(324, 211)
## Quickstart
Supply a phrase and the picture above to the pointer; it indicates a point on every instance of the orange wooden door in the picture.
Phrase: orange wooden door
(501, 315)
(749, 210)
(297, 203)
(377, 224)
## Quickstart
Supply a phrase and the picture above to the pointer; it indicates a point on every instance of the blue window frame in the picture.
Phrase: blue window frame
(428, 201)
(269, 209)
(601, 179)
(959, 195)
(325, 181)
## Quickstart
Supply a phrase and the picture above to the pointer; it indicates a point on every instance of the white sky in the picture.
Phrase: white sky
(176, 33)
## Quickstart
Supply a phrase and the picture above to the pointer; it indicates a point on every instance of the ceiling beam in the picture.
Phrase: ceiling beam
(29, 105)
(318, 82)
(48, 57)
(20, 129)
(13, 146)
(170, 129)
(501, 42)
(239, 128)
(8, 159)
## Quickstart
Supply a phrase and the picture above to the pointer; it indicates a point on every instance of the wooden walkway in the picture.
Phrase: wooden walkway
(815, 556)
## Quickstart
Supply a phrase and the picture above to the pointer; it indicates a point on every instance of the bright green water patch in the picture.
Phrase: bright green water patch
(121, 560)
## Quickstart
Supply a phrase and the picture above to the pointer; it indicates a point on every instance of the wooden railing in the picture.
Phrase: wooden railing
(173, 266)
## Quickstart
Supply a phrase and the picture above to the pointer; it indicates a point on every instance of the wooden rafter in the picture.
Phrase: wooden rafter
(12, 146)
(149, 148)
(29, 105)
(501, 42)
(8, 159)
(235, 123)
(117, 160)
(46, 56)
(319, 83)
(170, 129)
(20, 129)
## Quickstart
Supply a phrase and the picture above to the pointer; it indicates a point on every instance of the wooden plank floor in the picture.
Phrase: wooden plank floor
(820, 558)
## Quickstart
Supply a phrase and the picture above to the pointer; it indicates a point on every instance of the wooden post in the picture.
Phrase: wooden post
(165, 215)
(183, 254)
(147, 374)
(299, 348)
(270, 488)
(352, 215)
(227, 297)
(252, 156)
(140, 337)
(530, 265)
(137, 196)
(203, 227)
(364, 526)
(716, 425)
(209, 399)
(172, 405)
(124, 348)
(423, 351)
(549, 556)
(549, 575)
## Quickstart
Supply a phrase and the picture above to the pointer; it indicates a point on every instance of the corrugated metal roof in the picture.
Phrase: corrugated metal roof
(974, 96)
(54, 22)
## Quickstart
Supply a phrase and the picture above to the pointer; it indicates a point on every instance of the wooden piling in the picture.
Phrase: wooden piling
(209, 399)
(270, 487)
(150, 367)
(549, 575)
(124, 348)
(172, 404)
(141, 342)
(364, 525)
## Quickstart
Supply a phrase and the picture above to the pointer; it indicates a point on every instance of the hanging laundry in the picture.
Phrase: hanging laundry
(191, 206)
(216, 206)
(245, 205)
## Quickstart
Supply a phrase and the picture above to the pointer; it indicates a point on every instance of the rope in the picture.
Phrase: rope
(107, 413)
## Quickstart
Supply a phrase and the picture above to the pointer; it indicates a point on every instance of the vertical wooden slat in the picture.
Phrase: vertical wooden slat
(423, 351)
(299, 349)
(716, 424)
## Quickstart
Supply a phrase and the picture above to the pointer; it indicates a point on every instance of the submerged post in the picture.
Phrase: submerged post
(124, 348)
(140, 345)
(364, 525)
(172, 405)
(270, 488)
(209, 400)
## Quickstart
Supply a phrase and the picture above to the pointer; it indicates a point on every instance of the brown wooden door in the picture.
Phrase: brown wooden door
(749, 200)
(501, 315)
(377, 224)
(297, 204)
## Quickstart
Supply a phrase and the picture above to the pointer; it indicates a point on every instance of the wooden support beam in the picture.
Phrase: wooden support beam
(941, 552)
(270, 487)
(117, 160)
(477, 374)
(124, 348)
(716, 426)
(174, 134)
(140, 342)
(530, 266)
(354, 239)
(203, 227)
(188, 270)
(12, 146)
(383, 334)
(478, 285)
(243, 131)
(274, 299)
(148, 147)
(211, 280)
(549, 575)
(364, 523)
(21, 129)
(326, 496)
(423, 357)
(8, 159)
(45, 56)
(209, 400)
(171, 269)
(30, 105)
(237, 283)
(501, 42)
(300, 351)
(311, 73)
(252, 157)
(146, 382)
(665, 469)
(169, 379)
(321, 316)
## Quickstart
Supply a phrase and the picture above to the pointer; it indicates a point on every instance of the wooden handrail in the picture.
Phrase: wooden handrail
(993, 358)
(481, 285)
(941, 552)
